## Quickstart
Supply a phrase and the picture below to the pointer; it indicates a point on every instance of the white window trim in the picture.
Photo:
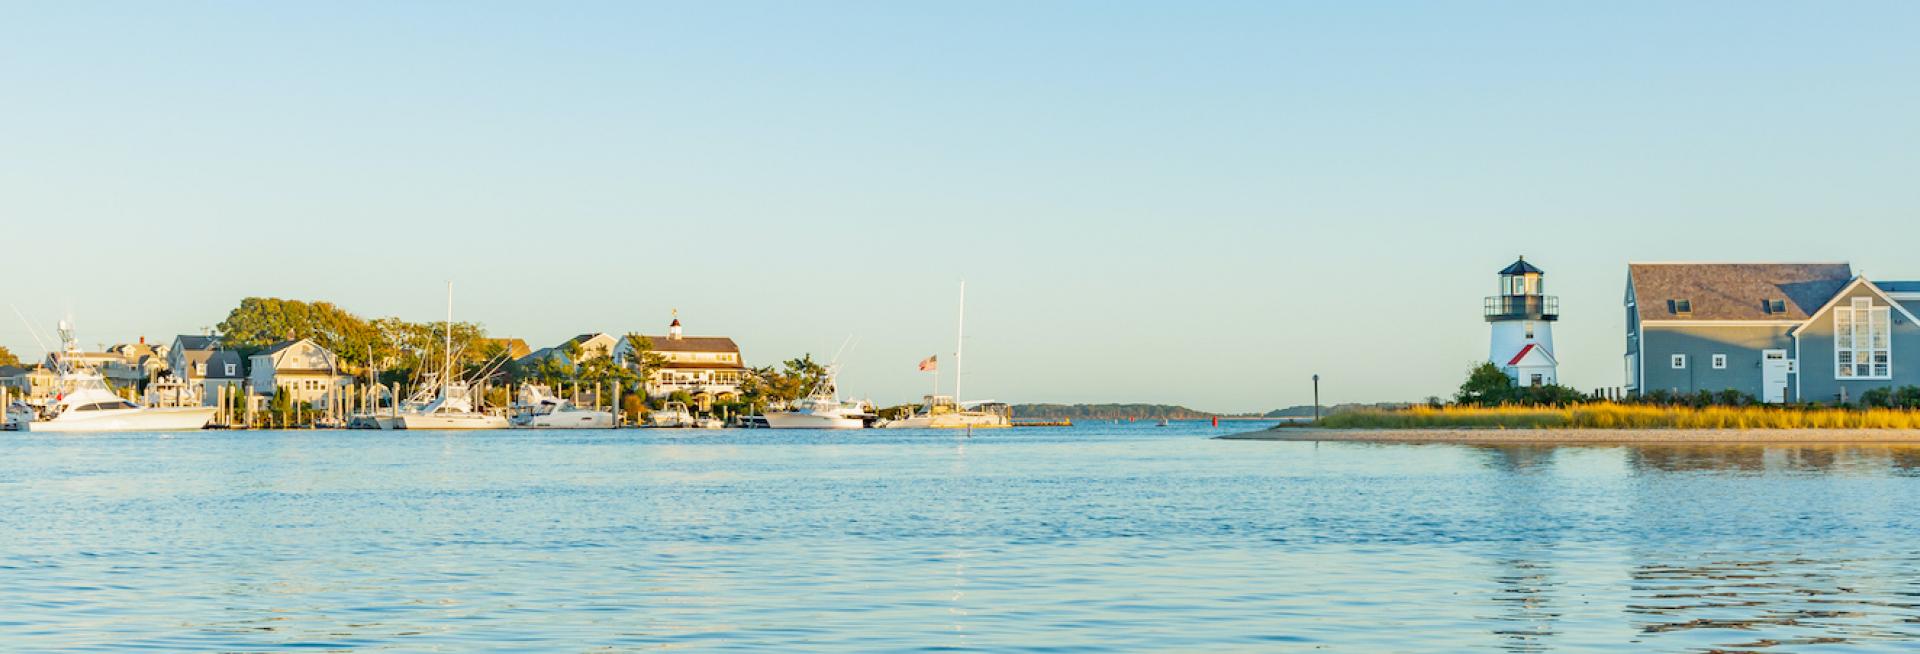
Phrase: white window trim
(1679, 361)
(229, 369)
(1877, 316)
(1719, 362)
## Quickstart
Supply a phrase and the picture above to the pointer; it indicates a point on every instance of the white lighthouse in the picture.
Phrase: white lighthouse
(1522, 317)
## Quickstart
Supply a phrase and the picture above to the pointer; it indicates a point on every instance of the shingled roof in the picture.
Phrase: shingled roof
(1734, 291)
(694, 344)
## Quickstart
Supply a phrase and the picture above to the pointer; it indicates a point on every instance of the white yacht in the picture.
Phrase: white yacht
(822, 409)
(85, 405)
(672, 416)
(537, 408)
(944, 411)
(451, 405)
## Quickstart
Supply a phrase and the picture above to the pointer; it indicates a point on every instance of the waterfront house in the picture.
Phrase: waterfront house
(187, 359)
(15, 377)
(1781, 332)
(707, 368)
(591, 346)
(224, 373)
(301, 368)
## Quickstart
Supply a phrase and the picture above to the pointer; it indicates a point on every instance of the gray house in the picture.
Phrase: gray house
(1779, 331)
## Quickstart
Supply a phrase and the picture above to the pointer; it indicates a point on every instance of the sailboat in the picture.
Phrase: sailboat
(86, 405)
(946, 411)
(452, 406)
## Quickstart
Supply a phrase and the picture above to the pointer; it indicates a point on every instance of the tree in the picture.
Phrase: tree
(7, 358)
(642, 360)
(260, 322)
(1486, 385)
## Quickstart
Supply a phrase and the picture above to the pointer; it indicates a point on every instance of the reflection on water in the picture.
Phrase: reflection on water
(1105, 538)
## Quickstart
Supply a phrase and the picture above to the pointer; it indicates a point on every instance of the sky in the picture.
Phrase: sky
(1191, 203)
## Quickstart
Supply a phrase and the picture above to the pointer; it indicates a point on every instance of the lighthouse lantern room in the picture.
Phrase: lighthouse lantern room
(1522, 318)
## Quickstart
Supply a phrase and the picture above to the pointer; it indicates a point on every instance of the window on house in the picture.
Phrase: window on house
(1529, 329)
(1719, 362)
(229, 370)
(200, 369)
(1679, 362)
(1538, 379)
(1776, 307)
(1862, 341)
(1681, 306)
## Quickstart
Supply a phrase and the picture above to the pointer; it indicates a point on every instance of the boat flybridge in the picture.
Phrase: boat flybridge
(448, 404)
(822, 409)
(85, 404)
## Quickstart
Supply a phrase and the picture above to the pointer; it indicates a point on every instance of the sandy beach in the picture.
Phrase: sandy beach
(1547, 436)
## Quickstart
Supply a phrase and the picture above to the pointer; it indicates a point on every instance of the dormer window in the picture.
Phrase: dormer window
(1681, 307)
(1776, 307)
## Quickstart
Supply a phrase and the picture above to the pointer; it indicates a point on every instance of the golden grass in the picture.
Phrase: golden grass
(1607, 415)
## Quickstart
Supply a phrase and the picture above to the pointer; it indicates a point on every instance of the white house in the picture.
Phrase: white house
(301, 368)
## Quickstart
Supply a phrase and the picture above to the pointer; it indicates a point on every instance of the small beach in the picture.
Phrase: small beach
(1552, 436)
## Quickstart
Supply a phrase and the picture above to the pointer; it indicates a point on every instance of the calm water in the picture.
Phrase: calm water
(1093, 538)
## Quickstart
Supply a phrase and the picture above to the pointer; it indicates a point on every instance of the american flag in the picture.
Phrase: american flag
(931, 364)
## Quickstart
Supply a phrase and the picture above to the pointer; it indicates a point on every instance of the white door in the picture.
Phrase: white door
(1773, 376)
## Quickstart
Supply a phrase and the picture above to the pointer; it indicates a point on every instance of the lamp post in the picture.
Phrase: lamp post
(1316, 398)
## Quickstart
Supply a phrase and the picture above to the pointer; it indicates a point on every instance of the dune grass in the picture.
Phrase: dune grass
(1607, 415)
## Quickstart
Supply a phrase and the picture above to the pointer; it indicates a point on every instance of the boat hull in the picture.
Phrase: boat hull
(569, 420)
(450, 422)
(798, 420)
(963, 420)
(118, 420)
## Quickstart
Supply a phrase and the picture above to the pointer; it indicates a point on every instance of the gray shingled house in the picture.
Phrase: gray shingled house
(1779, 331)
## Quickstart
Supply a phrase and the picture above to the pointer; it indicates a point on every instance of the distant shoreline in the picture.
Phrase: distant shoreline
(1581, 436)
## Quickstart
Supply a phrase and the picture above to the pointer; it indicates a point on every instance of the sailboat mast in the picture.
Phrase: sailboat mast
(446, 356)
(960, 345)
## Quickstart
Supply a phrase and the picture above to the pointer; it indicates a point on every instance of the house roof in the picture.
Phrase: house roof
(694, 344)
(277, 347)
(583, 338)
(1899, 287)
(12, 371)
(217, 369)
(1521, 267)
(515, 347)
(1735, 291)
(1521, 355)
(1532, 351)
(196, 356)
(193, 342)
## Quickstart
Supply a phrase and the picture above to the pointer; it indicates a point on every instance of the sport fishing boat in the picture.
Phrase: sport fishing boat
(537, 408)
(944, 411)
(822, 409)
(86, 405)
(451, 404)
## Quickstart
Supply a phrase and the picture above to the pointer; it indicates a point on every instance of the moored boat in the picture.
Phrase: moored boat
(822, 409)
(537, 408)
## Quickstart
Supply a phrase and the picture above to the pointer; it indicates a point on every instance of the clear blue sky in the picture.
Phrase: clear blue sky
(1198, 203)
